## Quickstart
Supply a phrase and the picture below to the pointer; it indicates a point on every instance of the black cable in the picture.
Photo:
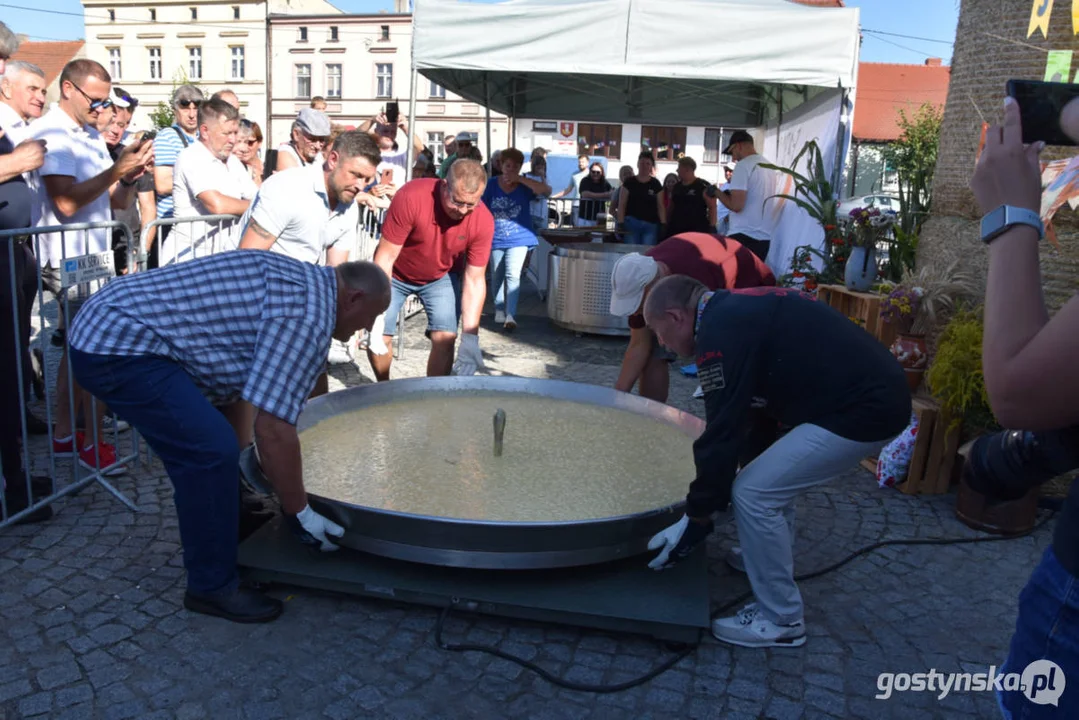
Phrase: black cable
(689, 649)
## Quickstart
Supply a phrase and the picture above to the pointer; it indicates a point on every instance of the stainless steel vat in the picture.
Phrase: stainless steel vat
(485, 544)
(579, 287)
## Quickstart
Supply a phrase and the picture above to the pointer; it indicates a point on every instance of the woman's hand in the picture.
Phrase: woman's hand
(1008, 172)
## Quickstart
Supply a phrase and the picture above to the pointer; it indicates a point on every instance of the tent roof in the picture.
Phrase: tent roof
(721, 61)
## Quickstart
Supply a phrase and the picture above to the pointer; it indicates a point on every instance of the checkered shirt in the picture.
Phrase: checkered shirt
(247, 323)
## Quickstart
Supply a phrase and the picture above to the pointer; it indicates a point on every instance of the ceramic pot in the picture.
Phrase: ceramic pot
(913, 355)
(861, 269)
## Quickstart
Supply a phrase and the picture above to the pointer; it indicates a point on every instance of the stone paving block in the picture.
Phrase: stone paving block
(15, 689)
(82, 711)
(54, 676)
(82, 692)
(38, 704)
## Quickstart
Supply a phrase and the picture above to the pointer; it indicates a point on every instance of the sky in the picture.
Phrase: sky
(920, 28)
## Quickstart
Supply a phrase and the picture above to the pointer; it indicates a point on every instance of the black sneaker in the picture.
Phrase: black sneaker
(242, 606)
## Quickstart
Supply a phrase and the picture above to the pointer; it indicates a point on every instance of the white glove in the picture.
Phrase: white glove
(469, 357)
(374, 338)
(677, 541)
(315, 530)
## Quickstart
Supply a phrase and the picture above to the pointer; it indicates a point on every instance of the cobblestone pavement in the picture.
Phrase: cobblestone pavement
(92, 623)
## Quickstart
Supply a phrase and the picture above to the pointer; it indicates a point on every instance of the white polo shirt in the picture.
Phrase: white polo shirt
(294, 206)
(196, 171)
(759, 184)
(80, 153)
(13, 125)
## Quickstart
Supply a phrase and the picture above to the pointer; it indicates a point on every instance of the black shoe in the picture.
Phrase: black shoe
(17, 502)
(242, 606)
(37, 373)
(35, 425)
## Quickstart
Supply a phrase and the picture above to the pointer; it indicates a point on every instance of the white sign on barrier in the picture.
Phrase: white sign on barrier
(87, 268)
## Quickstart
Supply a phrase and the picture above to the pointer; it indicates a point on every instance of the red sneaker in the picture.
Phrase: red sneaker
(88, 458)
(66, 448)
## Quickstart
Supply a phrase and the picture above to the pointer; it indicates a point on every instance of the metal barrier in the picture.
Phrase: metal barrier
(81, 274)
(565, 212)
(368, 236)
(207, 235)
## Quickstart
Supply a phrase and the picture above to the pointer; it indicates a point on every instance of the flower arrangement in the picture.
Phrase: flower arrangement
(927, 297)
(867, 225)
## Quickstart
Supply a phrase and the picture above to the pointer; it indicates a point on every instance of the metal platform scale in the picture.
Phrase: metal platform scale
(623, 596)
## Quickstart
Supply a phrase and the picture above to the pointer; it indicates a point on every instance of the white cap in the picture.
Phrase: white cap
(631, 275)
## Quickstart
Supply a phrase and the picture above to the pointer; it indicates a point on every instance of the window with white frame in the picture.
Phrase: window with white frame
(333, 33)
(303, 35)
(437, 142)
(437, 91)
(112, 15)
(384, 33)
(155, 63)
(194, 63)
(194, 13)
(333, 80)
(235, 12)
(114, 64)
(237, 65)
(153, 15)
(384, 80)
(303, 80)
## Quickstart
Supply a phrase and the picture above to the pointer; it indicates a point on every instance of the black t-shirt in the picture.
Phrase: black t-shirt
(14, 196)
(641, 203)
(809, 362)
(590, 207)
(688, 211)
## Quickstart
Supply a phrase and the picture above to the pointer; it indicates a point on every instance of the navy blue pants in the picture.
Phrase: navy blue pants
(1047, 630)
(195, 443)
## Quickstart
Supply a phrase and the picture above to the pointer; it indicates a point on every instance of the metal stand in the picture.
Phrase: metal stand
(623, 596)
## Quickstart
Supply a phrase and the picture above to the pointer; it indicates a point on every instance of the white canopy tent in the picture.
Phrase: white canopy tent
(729, 63)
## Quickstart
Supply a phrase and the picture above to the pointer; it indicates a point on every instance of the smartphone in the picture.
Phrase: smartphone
(1040, 104)
(147, 136)
(393, 113)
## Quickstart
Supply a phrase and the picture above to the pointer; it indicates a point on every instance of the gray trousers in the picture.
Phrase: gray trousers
(763, 499)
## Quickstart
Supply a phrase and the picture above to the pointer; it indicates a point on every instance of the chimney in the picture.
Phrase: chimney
(933, 62)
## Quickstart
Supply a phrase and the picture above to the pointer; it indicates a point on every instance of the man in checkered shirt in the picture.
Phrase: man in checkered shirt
(170, 349)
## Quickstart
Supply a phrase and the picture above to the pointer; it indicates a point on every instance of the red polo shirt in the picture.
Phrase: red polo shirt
(430, 239)
(719, 262)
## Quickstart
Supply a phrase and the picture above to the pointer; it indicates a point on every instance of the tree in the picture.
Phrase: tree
(914, 157)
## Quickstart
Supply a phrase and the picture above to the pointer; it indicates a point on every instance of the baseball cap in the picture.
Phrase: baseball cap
(630, 277)
(736, 137)
(728, 166)
(314, 122)
(468, 137)
(121, 98)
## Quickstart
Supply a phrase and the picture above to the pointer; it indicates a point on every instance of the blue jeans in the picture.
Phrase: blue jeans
(639, 232)
(197, 446)
(1047, 628)
(440, 298)
(506, 267)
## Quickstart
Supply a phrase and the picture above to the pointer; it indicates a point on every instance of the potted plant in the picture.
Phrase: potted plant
(919, 302)
(866, 226)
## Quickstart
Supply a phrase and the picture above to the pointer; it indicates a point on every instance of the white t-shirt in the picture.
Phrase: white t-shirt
(80, 153)
(397, 157)
(294, 206)
(759, 185)
(14, 126)
(195, 172)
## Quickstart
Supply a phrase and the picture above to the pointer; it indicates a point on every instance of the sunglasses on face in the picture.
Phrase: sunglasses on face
(188, 104)
(315, 138)
(94, 103)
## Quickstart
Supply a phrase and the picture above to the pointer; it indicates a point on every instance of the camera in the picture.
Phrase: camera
(1004, 466)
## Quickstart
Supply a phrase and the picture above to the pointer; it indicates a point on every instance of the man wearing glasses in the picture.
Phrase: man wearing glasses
(81, 184)
(310, 132)
(431, 226)
(168, 144)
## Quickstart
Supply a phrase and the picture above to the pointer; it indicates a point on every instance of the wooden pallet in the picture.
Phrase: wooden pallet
(862, 308)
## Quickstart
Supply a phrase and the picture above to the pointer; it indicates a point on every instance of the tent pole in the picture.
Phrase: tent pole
(487, 107)
(840, 146)
(409, 159)
(779, 119)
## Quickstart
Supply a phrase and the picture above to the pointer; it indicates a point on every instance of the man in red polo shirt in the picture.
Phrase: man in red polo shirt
(718, 262)
(429, 224)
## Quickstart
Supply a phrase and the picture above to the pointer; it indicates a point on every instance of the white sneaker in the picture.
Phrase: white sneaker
(500, 317)
(735, 560)
(510, 323)
(699, 392)
(749, 628)
(339, 354)
(111, 423)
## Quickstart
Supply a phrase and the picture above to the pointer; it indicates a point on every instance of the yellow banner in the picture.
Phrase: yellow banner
(1075, 17)
(1040, 11)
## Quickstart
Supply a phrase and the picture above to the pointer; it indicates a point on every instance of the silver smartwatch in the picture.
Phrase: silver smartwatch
(996, 222)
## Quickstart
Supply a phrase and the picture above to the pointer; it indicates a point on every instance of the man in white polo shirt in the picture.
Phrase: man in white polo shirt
(309, 213)
(209, 180)
(81, 183)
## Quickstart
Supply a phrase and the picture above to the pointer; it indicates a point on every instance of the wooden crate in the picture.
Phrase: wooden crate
(936, 452)
(863, 308)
